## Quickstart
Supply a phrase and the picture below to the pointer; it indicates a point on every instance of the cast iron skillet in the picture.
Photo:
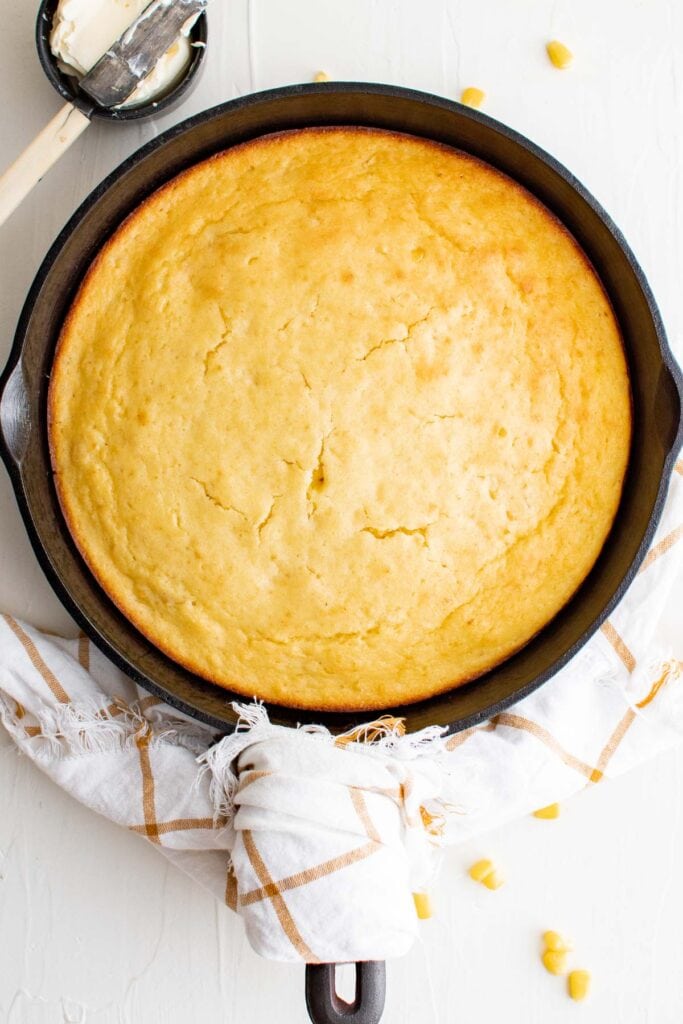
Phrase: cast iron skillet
(657, 395)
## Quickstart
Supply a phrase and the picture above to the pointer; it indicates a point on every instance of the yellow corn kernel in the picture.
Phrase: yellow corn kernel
(493, 880)
(423, 905)
(578, 984)
(472, 97)
(555, 961)
(560, 55)
(321, 76)
(555, 942)
(551, 811)
(480, 870)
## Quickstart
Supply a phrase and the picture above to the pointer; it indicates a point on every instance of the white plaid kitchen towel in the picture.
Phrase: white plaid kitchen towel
(318, 842)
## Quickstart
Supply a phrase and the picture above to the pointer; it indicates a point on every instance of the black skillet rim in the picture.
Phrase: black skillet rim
(67, 85)
(292, 715)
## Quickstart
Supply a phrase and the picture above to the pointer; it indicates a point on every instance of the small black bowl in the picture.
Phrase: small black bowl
(67, 85)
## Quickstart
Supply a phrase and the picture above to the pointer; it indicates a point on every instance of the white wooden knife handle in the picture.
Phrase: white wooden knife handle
(39, 156)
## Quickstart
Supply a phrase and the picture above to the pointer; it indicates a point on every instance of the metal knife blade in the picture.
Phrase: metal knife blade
(118, 73)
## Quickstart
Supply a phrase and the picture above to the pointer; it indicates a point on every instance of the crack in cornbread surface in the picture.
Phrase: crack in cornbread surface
(340, 418)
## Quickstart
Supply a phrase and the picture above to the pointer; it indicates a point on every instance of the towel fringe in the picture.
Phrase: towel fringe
(383, 738)
(665, 672)
(86, 727)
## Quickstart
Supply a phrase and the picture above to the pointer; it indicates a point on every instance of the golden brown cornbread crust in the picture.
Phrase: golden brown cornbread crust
(340, 418)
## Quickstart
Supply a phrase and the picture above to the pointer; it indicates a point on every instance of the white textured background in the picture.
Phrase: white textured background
(94, 928)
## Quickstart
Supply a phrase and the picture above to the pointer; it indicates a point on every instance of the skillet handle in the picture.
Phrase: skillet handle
(15, 419)
(669, 407)
(324, 1005)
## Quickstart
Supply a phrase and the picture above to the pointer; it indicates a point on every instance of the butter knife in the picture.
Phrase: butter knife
(118, 73)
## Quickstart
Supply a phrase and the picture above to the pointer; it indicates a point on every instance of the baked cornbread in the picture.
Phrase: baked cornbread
(340, 418)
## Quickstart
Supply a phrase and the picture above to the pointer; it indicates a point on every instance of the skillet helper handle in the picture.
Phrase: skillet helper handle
(39, 156)
(324, 1005)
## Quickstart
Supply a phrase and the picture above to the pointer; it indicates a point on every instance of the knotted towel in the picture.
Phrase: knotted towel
(319, 841)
